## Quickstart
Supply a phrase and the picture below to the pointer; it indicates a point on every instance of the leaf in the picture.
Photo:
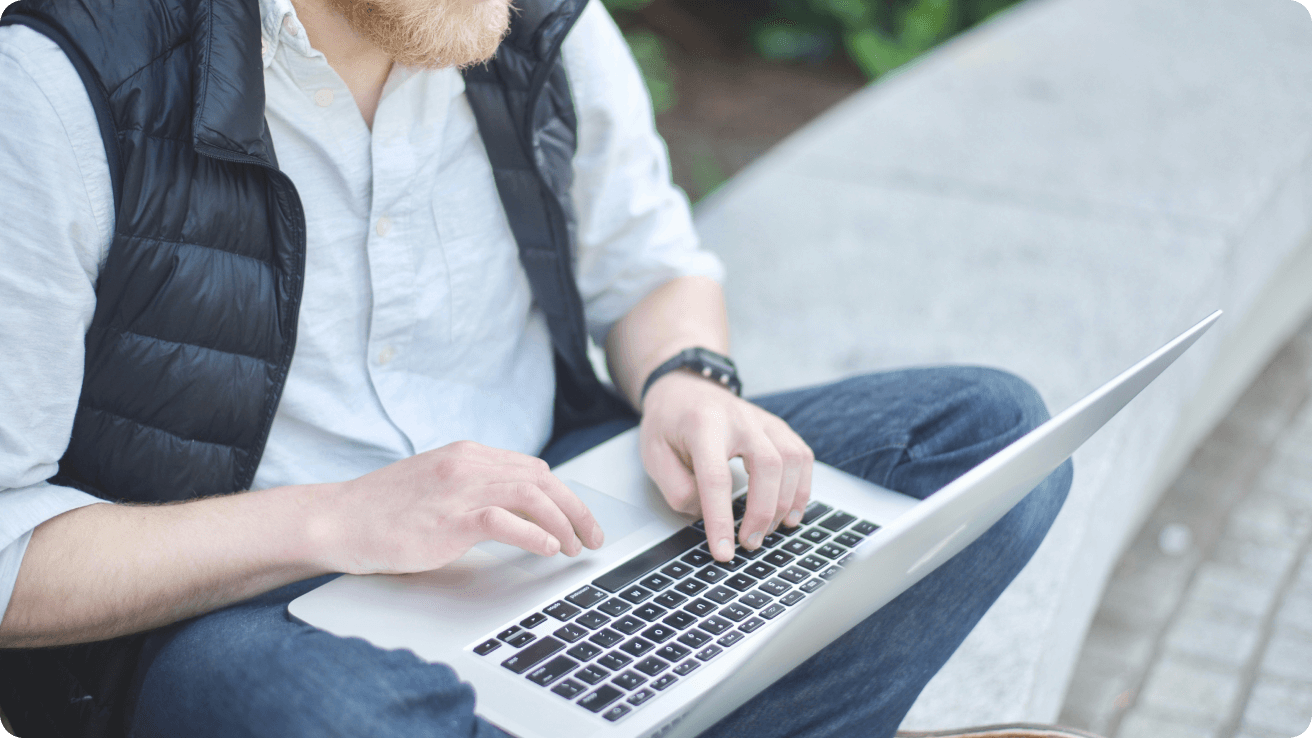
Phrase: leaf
(875, 53)
(649, 51)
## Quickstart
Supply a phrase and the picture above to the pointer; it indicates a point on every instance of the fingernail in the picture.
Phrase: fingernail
(553, 546)
(754, 540)
(577, 548)
(598, 537)
(793, 519)
(724, 549)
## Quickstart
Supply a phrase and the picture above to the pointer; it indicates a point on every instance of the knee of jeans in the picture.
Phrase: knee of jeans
(1028, 523)
(1001, 394)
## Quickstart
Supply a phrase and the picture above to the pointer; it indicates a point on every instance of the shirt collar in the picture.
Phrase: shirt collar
(277, 20)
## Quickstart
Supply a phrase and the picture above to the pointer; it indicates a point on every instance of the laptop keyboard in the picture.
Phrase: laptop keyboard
(616, 644)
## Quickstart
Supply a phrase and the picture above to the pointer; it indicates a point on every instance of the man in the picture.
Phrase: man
(288, 247)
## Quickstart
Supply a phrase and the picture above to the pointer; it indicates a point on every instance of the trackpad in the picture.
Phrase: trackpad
(618, 519)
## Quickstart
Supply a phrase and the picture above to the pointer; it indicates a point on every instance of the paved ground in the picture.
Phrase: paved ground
(1205, 630)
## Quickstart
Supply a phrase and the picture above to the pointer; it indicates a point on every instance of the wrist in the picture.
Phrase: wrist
(318, 536)
(697, 361)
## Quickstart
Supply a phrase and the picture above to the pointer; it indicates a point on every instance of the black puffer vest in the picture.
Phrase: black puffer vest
(197, 302)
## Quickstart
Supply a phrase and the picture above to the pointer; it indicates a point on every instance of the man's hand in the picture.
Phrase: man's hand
(691, 428)
(426, 511)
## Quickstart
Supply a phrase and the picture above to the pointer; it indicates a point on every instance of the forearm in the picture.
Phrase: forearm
(680, 314)
(107, 570)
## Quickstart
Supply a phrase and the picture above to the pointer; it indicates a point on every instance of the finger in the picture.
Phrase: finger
(764, 474)
(525, 498)
(802, 497)
(710, 464)
(580, 517)
(499, 524)
(675, 481)
(796, 457)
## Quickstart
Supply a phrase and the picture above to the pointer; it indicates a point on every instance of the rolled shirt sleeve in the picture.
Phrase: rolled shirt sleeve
(635, 228)
(56, 207)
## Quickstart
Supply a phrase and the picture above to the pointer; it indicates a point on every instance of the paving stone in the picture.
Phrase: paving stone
(1146, 597)
(1295, 613)
(1279, 705)
(1253, 731)
(1139, 723)
(1289, 654)
(1269, 517)
(1193, 689)
(1228, 587)
(1225, 637)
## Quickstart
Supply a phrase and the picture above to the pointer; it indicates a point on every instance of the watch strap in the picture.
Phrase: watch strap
(715, 367)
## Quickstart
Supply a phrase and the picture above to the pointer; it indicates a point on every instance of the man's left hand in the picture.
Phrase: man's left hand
(691, 428)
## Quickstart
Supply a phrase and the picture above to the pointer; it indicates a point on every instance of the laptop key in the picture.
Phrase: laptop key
(614, 607)
(552, 670)
(676, 570)
(536, 618)
(772, 540)
(641, 696)
(715, 625)
(711, 574)
(635, 594)
(753, 623)
(865, 527)
(584, 651)
(814, 535)
(651, 666)
(569, 689)
(509, 633)
(686, 667)
(614, 661)
(754, 600)
(605, 638)
(848, 539)
(656, 582)
(617, 712)
(591, 674)
(690, 587)
(734, 564)
(735, 612)
(659, 633)
(570, 633)
(487, 647)
(721, 595)
(708, 653)
(520, 639)
(650, 612)
(628, 625)
(741, 582)
(636, 646)
(694, 639)
(679, 620)
(672, 652)
(586, 597)
(797, 547)
(759, 570)
(700, 608)
(730, 638)
(793, 574)
(592, 620)
(831, 572)
(830, 551)
(524, 660)
(812, 585)
(660, 554)
(771, 612)
(792, 598)
(814, 563)
(670, 599)
(597, 700)
(814, 511)
(749, 555)
(775, 587)
(561, 610)
(697, 558)
(629, 680)
(665, 681)
(837, 521)
(779, 558)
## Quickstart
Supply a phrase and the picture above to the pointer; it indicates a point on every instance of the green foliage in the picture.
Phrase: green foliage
(649, 51)
(877, 35)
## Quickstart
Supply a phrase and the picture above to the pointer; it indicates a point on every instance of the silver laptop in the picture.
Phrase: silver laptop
(648, 635)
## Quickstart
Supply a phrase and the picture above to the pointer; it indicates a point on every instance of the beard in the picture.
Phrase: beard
(430, 34)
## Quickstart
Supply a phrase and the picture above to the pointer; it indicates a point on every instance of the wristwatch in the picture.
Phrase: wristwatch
(705, 362)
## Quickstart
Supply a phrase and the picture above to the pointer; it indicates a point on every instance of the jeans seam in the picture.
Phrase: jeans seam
(870, 452)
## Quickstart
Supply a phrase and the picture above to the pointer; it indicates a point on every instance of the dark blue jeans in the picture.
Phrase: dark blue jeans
(249, 670)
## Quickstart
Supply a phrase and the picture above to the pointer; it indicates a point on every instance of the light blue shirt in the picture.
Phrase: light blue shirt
(417, 325)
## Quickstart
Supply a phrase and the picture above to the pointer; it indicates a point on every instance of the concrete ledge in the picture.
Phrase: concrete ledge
(1056, 194)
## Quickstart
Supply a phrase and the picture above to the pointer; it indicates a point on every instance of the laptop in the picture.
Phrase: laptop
(648, 635)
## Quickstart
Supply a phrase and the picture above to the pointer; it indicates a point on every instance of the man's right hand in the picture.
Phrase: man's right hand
(426, 511)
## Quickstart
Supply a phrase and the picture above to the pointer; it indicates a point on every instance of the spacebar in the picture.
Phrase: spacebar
(615, 579)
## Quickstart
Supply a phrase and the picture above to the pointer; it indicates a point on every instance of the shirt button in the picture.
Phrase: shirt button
(384, 225)
(323, 98)
(386, 355)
